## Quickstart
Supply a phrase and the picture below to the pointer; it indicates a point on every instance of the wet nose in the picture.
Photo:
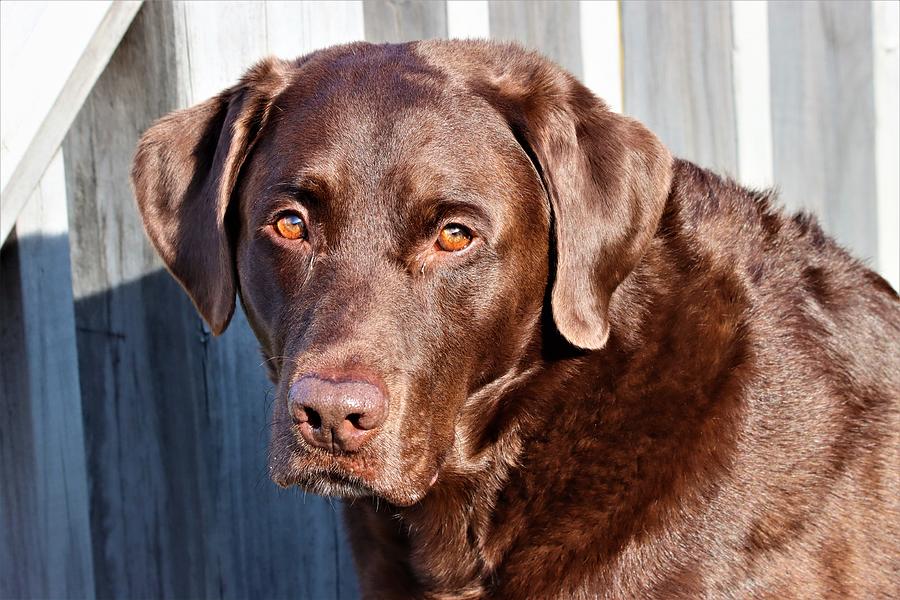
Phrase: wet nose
(338, 416)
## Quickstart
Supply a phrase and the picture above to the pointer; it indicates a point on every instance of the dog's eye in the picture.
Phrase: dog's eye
(291, 226)
(454, 237)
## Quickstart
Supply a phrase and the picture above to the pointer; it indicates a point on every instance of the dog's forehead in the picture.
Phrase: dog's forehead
(385, 122)
(361, 95)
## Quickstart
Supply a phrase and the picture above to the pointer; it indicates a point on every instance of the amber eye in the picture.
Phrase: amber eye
(291, 226)
(454, 237)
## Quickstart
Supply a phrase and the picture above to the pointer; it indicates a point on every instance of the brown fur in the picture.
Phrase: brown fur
(642, 380)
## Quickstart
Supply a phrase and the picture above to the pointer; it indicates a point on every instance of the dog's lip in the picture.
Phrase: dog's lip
(340, 479)
(311, 479)
(350, 476)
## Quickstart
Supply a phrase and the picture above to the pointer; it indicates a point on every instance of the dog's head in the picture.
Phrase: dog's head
(394, 218)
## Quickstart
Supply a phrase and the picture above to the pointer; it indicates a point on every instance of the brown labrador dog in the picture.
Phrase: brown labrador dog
(544, 359)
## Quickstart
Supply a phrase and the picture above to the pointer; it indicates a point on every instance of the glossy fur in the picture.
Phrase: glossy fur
(640, 381)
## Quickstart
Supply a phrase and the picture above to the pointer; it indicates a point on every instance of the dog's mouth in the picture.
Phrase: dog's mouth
(323, 477)
(339, 485)
(337, 481)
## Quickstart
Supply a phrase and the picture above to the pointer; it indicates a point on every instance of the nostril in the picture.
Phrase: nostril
(313, 418)
(359, 421)
(305, 414)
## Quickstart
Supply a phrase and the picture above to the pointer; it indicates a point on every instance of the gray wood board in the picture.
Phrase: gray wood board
(823, 116)
(404, 20)
(550, 27)
(176, 422)
(678, 77)
(45, 544)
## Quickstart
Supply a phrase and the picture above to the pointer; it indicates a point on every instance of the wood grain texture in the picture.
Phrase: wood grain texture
(404, 20)
(550, 27)
(181, 502)
(296, 28)
(601, 50)
(468, 19)
(752, 99)
(823, 116)
(886, 24)
(45, 544)
(678, 77)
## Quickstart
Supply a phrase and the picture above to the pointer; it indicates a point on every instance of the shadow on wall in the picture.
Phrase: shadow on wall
(175, 438)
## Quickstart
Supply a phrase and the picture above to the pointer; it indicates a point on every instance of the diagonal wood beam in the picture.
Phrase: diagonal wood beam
(56, 53)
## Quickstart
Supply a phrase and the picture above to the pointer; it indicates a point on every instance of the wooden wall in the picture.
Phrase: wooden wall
(132, 455)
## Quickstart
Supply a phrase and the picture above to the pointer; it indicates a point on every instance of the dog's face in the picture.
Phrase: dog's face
(419, 266)
(393, 218)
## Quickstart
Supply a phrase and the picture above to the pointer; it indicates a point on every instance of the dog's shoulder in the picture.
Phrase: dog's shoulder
(794, 272)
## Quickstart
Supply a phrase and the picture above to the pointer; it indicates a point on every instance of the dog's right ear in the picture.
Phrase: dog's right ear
(184, 172)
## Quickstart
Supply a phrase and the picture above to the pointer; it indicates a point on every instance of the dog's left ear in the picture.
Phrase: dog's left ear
(607, 176)
(184, 173)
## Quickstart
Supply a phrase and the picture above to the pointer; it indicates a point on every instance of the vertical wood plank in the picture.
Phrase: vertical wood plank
(141, 374)
(753, 114)
(181, 501)
(45, 544)
(549, 26)
(678, 77)
(404, 20)
(601, 50)
(297, 28)
(468, 19)
(823, 115)
(886, 24)
(215, 43)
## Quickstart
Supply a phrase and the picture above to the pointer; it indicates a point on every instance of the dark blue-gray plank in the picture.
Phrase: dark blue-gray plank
(678, 77)
(823, 115)
(45, 546)
(176, 421)
(550, 27)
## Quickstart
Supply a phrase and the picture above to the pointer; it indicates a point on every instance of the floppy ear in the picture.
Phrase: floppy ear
(608, 178)
(184, 173)
(606, 175)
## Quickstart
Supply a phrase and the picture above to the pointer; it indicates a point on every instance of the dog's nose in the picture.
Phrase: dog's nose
(336, 415)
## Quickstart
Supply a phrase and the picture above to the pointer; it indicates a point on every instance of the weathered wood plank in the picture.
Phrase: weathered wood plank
(550, 27)
(823, 115)
(886, 23)
(215, 43)
(45, 544)
(753, 114)
(678, 77)
(404, 20)
(468, 19)
(297, 28)
(182, 505)
(601, 50)
(83, 36)
(141, 376)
